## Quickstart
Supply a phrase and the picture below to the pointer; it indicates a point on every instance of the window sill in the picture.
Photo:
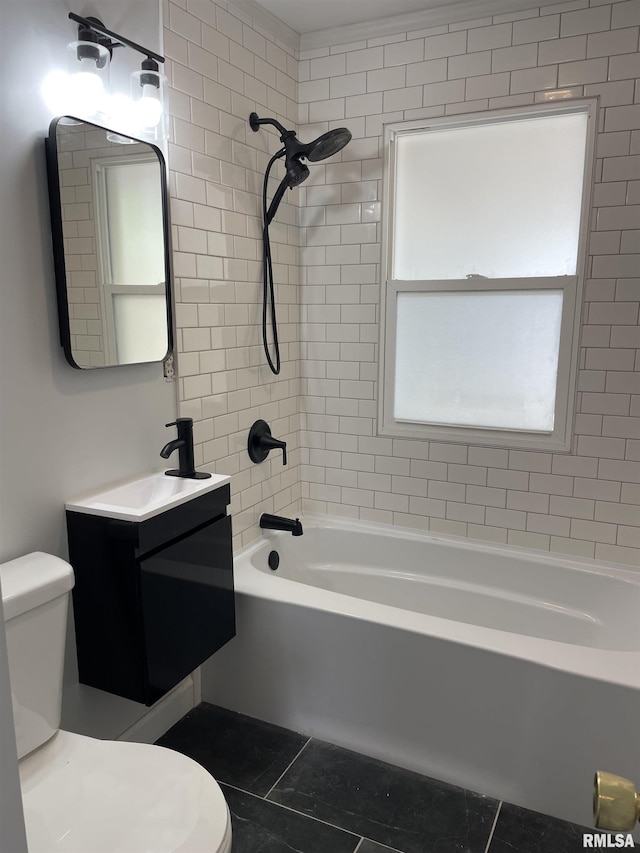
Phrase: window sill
(508, 439)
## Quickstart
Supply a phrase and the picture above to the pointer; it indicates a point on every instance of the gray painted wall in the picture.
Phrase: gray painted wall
(12, 837)
(62, 431)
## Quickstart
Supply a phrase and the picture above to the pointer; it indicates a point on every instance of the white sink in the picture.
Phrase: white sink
(145, 497)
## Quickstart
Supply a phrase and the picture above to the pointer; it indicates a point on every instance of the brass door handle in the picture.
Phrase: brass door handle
(616, 803)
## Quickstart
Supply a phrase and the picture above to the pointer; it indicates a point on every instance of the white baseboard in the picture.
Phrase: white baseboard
(165, 713)
(197, 686)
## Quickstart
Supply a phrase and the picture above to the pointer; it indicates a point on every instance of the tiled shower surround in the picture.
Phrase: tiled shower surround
(324, 404)
(221, 69)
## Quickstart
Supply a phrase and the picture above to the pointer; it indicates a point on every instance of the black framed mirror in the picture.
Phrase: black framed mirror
(110, 225)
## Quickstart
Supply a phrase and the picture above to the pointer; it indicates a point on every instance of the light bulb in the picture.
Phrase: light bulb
(88, 78)
(147, 92)
(150, 106)
(86, 93)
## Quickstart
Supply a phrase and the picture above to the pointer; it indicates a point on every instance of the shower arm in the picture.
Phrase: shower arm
(293, 146)
(255, 121)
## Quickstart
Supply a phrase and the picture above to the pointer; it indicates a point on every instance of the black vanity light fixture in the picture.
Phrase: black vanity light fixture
(296, 172)
(84, 90)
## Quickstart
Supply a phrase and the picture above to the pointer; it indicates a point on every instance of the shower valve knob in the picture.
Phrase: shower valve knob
(261, 442)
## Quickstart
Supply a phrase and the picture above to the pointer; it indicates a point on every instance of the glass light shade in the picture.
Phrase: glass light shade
(122, 118)
(148, 97)
(88, 78)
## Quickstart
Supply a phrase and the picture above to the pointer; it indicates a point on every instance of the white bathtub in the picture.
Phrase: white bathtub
(511, 672)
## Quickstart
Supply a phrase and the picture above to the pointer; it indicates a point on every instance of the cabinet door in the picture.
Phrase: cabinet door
(187, 604)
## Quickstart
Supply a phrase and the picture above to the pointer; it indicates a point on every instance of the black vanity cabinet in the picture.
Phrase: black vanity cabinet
(152, 599)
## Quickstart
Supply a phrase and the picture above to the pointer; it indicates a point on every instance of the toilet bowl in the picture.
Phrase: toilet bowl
(86, 795)
(81, 794)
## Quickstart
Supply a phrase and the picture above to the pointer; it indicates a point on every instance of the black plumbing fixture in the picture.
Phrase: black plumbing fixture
(261, 443)
(184, 445)
(273, 560)
(278, 522)
(296, 172)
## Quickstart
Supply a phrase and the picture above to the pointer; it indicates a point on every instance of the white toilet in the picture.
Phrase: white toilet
(81, 794)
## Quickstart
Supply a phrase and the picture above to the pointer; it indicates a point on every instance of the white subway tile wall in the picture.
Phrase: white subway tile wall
(585, 503)
(326, 245)
(221, 67)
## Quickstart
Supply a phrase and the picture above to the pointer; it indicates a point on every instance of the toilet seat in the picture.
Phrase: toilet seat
(83, 795)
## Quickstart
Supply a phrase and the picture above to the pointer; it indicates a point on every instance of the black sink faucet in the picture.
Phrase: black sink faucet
(278, 522)
(184, 445)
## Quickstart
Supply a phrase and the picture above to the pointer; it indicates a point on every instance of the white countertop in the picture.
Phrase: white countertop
(145, 497)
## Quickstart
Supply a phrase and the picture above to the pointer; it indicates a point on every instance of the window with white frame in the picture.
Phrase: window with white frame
(485, 225)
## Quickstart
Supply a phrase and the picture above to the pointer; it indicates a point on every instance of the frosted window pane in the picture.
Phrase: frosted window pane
(141, 327)
(134, 221)
(500, 199)
(478, 359)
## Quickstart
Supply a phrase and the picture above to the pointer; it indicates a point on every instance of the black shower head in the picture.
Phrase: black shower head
(295, 151)
(324, 146)
(328, 144)
(297, 172)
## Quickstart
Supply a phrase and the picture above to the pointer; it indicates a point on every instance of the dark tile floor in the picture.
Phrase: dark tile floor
(288, 792)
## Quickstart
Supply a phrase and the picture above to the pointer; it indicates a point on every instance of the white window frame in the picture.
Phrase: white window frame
(572, 287)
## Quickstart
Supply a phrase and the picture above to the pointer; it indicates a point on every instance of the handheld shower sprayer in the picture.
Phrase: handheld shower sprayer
(296, 172)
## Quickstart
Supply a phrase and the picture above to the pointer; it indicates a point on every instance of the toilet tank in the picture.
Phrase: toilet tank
(35, 595)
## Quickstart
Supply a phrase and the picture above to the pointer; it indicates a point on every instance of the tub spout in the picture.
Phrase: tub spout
(277, 522)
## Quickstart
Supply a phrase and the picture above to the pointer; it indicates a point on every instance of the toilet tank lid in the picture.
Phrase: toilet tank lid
(33, 580)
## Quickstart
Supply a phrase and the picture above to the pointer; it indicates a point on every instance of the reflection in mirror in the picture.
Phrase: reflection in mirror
(110, 239)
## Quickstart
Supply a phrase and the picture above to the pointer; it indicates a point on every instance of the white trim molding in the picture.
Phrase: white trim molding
(260, 16)
(441, 15)
(165, 713)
